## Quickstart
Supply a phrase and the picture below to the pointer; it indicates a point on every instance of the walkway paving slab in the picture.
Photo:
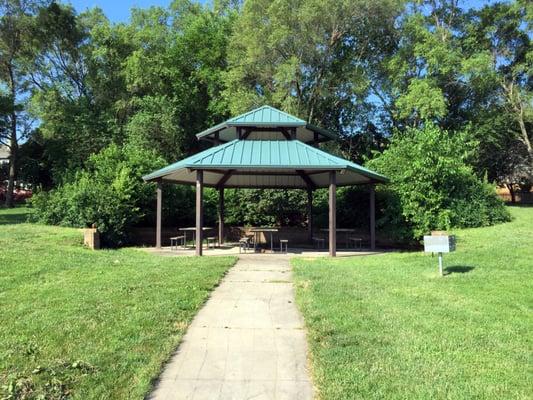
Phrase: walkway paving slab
(247, 342)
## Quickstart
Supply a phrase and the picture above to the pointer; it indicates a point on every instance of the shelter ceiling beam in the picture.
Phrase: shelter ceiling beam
(286, 133)
(310, 184)
(225, 178)
(246, 133)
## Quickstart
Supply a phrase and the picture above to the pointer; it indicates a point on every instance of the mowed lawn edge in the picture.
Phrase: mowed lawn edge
(387, 326)
(91, 324)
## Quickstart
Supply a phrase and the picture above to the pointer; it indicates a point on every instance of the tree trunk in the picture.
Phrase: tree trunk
(525, 137)
(12, 171)
(13, 146)
(515, 100)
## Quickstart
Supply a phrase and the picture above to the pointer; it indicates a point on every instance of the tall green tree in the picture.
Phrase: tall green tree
(80, 85)
(499, 66)
(174, 75)
(17, 52)
(462, 69)
(154, 81)
(309, 57)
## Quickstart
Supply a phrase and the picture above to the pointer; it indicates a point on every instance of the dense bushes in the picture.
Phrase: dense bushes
(263, 207)
(432, 186)
(109, 193)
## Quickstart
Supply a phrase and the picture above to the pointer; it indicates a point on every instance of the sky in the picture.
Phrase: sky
(116, 10)
(119, 10)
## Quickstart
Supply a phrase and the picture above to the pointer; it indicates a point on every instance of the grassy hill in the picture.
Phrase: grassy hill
(90, 324)
(389, 326)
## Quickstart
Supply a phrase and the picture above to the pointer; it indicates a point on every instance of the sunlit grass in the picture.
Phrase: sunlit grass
(90, 324)
(389, 327)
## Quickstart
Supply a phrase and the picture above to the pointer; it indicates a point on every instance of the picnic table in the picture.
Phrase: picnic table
(193, 230)
(265, 230)
(346, 232)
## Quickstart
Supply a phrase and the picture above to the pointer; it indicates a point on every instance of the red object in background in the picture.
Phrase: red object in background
(19, 195)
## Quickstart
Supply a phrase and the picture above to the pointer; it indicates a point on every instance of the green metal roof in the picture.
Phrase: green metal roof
(266, 163)
(265, 117)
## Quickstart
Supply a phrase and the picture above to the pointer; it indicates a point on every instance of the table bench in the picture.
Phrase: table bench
(244, 244)
(174, 241)
(356, 240)
(211, 240)
(319, 243)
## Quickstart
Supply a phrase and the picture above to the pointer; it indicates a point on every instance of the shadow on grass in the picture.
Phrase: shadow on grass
(17, 215)
(457, 269)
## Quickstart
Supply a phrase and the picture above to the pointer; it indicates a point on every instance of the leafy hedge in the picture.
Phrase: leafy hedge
(109, 193)
(432, 185)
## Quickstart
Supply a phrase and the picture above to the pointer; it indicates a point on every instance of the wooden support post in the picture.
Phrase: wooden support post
(199, 210)
(221, 216)
(333, 213)
(310, 215)
(159, 206)
(372, 217)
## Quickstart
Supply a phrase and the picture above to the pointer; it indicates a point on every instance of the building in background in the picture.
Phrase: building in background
(4, 154)
(22, 191)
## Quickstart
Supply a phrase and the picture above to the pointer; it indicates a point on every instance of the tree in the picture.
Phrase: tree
(516, 169)
(80, 85)
(17, 18)
(501, 59)
(309, 57)
(433, 187)
(154, 81)
(458, 68)
(174, 75)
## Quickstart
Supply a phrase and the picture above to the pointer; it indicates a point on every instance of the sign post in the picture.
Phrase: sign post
(439, 244)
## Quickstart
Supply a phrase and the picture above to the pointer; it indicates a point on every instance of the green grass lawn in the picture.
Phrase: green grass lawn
(388, 327)
(90, 324)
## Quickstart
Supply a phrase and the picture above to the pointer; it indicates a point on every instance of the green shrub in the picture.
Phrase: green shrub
(109, 193)
(265, 207)
(432, 186)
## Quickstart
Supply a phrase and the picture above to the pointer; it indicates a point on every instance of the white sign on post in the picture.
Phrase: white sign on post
(439, 244)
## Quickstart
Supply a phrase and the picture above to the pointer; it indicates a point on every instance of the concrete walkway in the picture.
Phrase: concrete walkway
(247, 342)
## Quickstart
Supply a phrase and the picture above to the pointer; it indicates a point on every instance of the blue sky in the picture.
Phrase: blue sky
(116, 10)
(119, 10)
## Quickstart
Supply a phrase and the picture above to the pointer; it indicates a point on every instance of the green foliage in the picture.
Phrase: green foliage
(454, 67)
(307, 57)
(422, 100)
(156, 80)
(173, 76)
(272, 207)
(266, 207)
(109, 193)
(434, 185)
(364, 69)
